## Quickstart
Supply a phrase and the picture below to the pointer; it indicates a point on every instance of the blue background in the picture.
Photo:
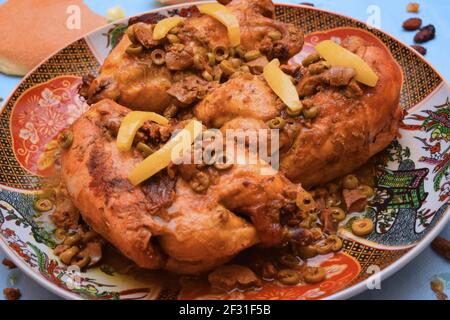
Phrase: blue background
(413, 281)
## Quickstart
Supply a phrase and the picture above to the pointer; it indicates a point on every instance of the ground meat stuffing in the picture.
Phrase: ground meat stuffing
(9, 264)
(12, 294)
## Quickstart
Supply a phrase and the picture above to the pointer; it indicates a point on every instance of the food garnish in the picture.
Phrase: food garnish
(163, 27)
(161, 158)
(336, 55)
(282, 85)
(224, 15)
(131, 124)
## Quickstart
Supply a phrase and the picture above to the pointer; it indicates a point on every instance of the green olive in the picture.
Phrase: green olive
(134, 49)
(294, 113)
(252, 55)
(350, 182)
(221, 53)
(173, 38)
(337, 213)
(72, 240)
(43, 204)
(332, 200)
(290, 261)
(60, 234)
(211, 58)
(227, 67)
(312, 58)
(82, 260)
(323, 247)
(245, 69)
(144, 149)
(235, 62)
(207, 76)
(199, 61)
(131, 35)
(275, 35)
(199, 182)
(67, 256)
(336, 242)
(366, 190)
(240, 52)
(362, 227)
(288, 277)
(307, 252)
(277, 123)
(311, 113)
(314, 274)
(217, 73)
(65, 139)
(158, 57)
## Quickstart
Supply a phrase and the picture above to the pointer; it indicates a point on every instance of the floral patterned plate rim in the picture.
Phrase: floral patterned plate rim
(409, 209)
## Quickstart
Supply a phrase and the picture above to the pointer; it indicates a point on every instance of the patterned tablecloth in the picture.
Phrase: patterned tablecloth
(413, 281)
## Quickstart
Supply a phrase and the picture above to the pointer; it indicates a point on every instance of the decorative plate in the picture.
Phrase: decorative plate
(409, 209)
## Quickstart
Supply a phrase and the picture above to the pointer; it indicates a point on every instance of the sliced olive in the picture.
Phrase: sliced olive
(362, 227)
(67, 256)
(235, 62)
(72, 239)
(227, 67)
(134, 48)
(65, 139)
(335, 242)
(173, 38)
(221, 53)
(43, 204)
(277, 123)
(323, 247)
(252, 55)
(312, 58)
(211, 58)
(337, 213)
(293, 113)
(199, 182)
(131, 35)
(290, 261)
(350, 182)
(311, 113)
(207, 76)
(275, 35)
(314, 274)
(288, 277)
(158, 57)
(144, 149)
(307, 252)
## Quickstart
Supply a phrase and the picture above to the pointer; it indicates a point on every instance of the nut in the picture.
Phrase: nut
(420, 49)
(425, 34)
(413, 7)
(412, 24)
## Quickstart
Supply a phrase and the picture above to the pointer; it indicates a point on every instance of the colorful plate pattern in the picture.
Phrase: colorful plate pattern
(409, 209)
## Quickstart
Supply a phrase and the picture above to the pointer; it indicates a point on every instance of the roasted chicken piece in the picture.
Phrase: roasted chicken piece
(353, 123)
(163, 223)
(135, 80)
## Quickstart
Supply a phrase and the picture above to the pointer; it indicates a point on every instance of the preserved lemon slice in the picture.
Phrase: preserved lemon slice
(163, 27)
(282, 85)
(336, 55)
(131, 124)
(161, 158)
(224, 15)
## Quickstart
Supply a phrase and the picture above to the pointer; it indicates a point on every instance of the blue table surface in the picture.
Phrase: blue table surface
(413, 281)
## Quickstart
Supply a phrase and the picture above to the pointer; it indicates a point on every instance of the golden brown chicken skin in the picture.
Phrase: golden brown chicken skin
(163, 223)
(353, 122)
(135, 80)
